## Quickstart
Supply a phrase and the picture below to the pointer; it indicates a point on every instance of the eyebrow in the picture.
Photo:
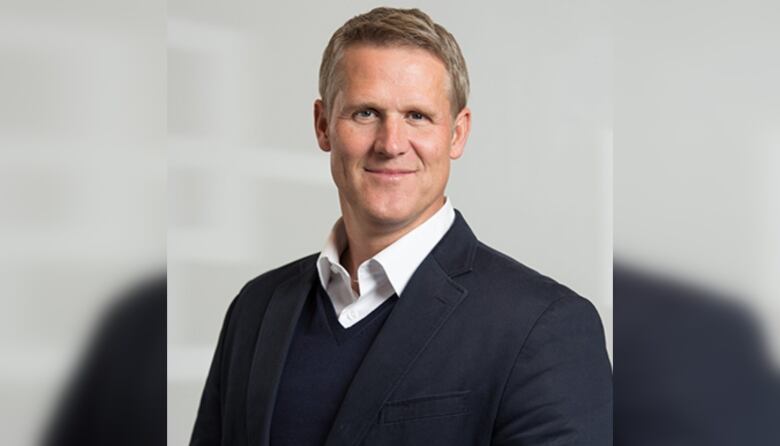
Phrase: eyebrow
(361, 106)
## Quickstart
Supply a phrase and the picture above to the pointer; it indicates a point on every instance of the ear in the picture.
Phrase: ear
(460, 133)
(321, 125)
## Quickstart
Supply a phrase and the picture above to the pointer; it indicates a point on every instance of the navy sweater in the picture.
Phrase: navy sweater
(321, 362)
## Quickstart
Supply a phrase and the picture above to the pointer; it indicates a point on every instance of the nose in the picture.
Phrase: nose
(391, 139)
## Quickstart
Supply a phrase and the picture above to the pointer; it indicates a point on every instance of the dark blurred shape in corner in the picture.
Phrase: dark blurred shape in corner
(118, 394)
(691, 367)
(696, 173)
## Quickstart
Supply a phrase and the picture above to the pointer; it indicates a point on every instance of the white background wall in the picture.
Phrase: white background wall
(245, 175)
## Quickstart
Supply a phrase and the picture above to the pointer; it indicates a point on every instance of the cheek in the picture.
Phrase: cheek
(433, 147)
(344, 166)
(339, 166)
(354, 141)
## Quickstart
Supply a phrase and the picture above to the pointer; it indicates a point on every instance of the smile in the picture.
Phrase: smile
(389, 173)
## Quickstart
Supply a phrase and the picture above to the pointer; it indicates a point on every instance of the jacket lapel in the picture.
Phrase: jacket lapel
(425, 305)
(273, 341)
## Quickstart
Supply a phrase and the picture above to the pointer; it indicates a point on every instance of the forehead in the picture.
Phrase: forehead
(393, 71)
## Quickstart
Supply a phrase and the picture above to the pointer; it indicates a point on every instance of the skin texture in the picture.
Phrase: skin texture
(391, 137)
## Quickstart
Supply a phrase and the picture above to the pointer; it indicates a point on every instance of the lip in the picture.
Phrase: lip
(390, 173)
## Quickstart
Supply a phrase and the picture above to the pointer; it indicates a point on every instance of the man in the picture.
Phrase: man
(405, 329)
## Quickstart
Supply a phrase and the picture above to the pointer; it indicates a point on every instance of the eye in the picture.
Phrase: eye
(417, 116)
(365, 114)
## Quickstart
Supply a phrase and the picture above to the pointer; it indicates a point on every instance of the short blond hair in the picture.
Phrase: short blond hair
(395, 27)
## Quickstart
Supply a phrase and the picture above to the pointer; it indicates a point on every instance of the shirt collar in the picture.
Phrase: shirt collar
(399, 260)
(329, 256)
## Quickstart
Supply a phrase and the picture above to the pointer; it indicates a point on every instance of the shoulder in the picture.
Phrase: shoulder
(279, 275)
(559, 383)
(517, 289)
(256, 293)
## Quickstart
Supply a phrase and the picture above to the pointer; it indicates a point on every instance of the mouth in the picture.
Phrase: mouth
(389, 173)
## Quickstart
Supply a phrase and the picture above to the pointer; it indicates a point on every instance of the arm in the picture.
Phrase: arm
(560, 389)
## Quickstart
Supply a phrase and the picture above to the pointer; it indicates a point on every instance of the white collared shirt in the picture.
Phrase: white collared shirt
(379, 277)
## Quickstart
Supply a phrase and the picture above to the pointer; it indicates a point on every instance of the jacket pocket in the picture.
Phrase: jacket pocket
(444, 404)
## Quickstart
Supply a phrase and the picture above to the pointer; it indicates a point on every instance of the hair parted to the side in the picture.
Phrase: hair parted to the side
(395, 27)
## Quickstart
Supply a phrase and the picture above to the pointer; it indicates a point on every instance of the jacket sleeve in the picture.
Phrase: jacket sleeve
(208, 424)
(560, 389)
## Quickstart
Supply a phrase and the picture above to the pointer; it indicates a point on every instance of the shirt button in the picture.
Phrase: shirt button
(334, 268)
(352, 315)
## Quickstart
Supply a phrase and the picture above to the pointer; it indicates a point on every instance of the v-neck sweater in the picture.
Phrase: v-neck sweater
(321, 362)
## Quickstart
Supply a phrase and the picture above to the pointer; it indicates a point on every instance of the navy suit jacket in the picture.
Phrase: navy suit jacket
(478, 350)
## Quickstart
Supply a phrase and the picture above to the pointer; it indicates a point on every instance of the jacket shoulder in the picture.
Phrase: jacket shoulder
(281, 274)
(516, 285)
(260, 288)
(524, 301)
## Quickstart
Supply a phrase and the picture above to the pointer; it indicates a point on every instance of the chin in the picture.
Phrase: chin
(390, 216)
(389, 219)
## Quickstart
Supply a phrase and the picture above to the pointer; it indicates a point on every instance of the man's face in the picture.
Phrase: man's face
(391, 135)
